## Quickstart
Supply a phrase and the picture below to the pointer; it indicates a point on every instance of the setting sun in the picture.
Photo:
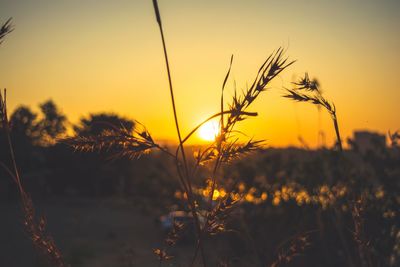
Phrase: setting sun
(209, 131)
(199, 133)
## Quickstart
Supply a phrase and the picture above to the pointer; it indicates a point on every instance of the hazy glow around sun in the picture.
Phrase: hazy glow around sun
(209, 131)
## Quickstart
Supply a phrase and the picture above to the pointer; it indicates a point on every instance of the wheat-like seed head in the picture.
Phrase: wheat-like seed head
(296, 247)
(5, 29)
(43, 242)
(162, 254)
(272, 67)
(37, 232)
(314, 99)
(217, 217)
(119, 142)
(306, 84)
(231, 151)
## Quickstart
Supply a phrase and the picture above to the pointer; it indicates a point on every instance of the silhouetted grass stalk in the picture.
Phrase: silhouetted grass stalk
(186, 177)
(224, 149)
(336, 125)
(5, 29)
(37, 231)
(313, 95)
(296, 246)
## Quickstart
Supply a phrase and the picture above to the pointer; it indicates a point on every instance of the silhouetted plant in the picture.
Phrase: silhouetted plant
(273, 199)
(35, 228)
(297, 245)
(120, 141)
(314, 95)
(5, 29)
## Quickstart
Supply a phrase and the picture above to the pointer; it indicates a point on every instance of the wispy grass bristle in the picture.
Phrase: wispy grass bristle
(118, 142)
(217, 217)
(5, 29)
(271, 68)
(314, 99)
(305, 83)
(296, 247)
(314, 96)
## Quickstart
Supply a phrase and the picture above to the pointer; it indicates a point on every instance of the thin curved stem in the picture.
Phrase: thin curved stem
(336, 125)
(6, 127)
(213, 117)
(189, 187)
(164, 150)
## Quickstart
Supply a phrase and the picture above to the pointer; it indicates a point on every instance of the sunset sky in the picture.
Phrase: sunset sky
(98, 55)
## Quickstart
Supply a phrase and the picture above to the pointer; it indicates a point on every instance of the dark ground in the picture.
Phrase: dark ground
(89, 232)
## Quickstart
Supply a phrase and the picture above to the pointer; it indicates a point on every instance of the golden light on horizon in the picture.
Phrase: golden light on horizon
(125, 72)
(209, 131)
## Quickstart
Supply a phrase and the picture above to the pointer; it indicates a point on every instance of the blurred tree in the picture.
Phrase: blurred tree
(95, 124)
(25, 135)
(53, 124)
(95, 177)
(24, 128)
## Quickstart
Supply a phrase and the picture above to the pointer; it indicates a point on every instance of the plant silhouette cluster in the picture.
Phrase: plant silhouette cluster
(216, 210)
(313, 95)
(224, 149)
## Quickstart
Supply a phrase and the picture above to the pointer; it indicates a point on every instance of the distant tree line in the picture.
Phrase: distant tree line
(50, 167)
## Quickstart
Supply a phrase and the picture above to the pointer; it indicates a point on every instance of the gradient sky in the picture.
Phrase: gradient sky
(97, 55)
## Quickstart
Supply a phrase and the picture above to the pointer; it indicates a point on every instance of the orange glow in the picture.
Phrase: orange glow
(216, 194)
(264, 196)
(125, 72)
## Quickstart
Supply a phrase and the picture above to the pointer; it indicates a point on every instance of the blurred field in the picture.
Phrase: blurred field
(90, 232)
(103, 222)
